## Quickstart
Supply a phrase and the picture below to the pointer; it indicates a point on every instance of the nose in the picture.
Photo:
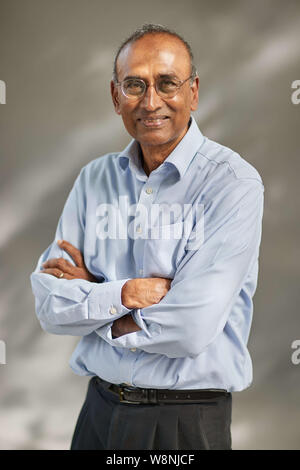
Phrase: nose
(151, 100)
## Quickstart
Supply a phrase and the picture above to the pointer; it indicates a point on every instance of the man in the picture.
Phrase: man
(154, 264)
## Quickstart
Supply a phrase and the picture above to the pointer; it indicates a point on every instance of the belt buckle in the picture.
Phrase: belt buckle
(122, 400)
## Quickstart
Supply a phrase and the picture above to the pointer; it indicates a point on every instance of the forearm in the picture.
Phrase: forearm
(176, 329)
(138, 293)
(76, 307)
(124, 326)
(83, 306)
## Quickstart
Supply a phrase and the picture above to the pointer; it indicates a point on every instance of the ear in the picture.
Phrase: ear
(115, 96)
(195, 94)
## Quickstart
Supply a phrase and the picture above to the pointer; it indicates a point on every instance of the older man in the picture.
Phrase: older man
(154, 264)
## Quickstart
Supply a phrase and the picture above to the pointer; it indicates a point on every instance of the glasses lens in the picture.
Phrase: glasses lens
(167, 87)
(133, 87)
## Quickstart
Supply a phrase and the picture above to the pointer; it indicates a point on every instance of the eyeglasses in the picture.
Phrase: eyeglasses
(166, 87)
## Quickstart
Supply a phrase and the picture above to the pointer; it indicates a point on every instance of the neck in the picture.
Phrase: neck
(154, 156)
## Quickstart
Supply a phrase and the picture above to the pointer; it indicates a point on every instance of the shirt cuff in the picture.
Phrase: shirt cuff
(136, 314)
(105, 299)
(133, 340)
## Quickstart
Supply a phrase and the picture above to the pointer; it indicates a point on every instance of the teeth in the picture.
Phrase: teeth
(154, 119)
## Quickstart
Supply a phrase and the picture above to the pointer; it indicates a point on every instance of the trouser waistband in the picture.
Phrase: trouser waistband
(136, 395)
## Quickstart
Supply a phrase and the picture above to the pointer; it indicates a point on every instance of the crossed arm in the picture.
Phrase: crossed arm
(177, 318)
(135, 293)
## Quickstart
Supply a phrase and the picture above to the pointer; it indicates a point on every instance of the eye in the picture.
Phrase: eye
(133, 86)
(167, 84)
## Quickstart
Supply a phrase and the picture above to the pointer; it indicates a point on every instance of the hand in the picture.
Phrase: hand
(123, 326)
(59, 266)
(143, 292)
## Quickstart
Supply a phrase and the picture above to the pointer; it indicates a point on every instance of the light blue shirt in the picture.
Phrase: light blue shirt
(196, 336)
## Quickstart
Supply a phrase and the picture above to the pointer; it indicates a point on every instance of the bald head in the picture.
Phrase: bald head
(159, 31)
(161, 49)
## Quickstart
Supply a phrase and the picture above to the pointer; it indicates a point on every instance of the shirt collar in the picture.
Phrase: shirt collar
(180, 157)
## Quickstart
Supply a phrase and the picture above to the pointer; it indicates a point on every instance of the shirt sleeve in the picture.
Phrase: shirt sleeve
(74, 307)
(207, 281)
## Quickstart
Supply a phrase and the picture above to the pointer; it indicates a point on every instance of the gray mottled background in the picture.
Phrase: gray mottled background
(56, 58)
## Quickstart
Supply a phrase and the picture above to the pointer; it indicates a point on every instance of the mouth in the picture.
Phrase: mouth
(154, 122)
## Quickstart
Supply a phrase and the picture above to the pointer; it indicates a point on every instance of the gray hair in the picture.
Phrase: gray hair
(149, 28)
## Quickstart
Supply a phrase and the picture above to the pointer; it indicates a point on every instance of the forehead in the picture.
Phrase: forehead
(154, 53)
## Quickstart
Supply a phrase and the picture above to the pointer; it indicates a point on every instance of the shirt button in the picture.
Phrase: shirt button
(149, 190)
(133, 349)
(112, 310)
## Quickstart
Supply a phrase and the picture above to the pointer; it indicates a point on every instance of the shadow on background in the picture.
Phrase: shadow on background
(56, 59)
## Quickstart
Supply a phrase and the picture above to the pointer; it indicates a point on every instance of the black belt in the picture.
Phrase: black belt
(135, 395)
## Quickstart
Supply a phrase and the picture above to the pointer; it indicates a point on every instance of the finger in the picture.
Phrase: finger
(57, 273)
(72, 251)
(60, 263)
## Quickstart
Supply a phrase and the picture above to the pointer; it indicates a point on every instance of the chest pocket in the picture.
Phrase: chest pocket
(163, 249)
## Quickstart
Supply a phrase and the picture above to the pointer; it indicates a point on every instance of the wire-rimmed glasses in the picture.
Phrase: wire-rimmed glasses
(166, 87)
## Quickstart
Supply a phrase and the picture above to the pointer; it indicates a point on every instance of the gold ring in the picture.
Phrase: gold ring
(61, 275)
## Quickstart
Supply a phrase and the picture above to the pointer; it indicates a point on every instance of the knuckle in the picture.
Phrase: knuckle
(60, 263)
(156, 298)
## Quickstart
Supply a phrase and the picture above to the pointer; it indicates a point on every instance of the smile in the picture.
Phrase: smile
(154, 122)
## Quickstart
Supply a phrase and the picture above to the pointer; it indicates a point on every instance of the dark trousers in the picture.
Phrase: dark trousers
(105, 423)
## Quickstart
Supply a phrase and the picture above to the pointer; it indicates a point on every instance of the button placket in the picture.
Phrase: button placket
(146, 198)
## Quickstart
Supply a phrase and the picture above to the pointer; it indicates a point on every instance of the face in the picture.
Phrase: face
(153, 120)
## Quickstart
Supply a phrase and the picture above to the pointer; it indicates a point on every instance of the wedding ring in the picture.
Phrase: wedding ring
(61, 275)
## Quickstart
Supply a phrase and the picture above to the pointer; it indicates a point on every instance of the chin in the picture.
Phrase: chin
(153, 137)
(152, 140)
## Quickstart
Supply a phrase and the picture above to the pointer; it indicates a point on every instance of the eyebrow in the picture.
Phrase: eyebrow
(160, 75)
